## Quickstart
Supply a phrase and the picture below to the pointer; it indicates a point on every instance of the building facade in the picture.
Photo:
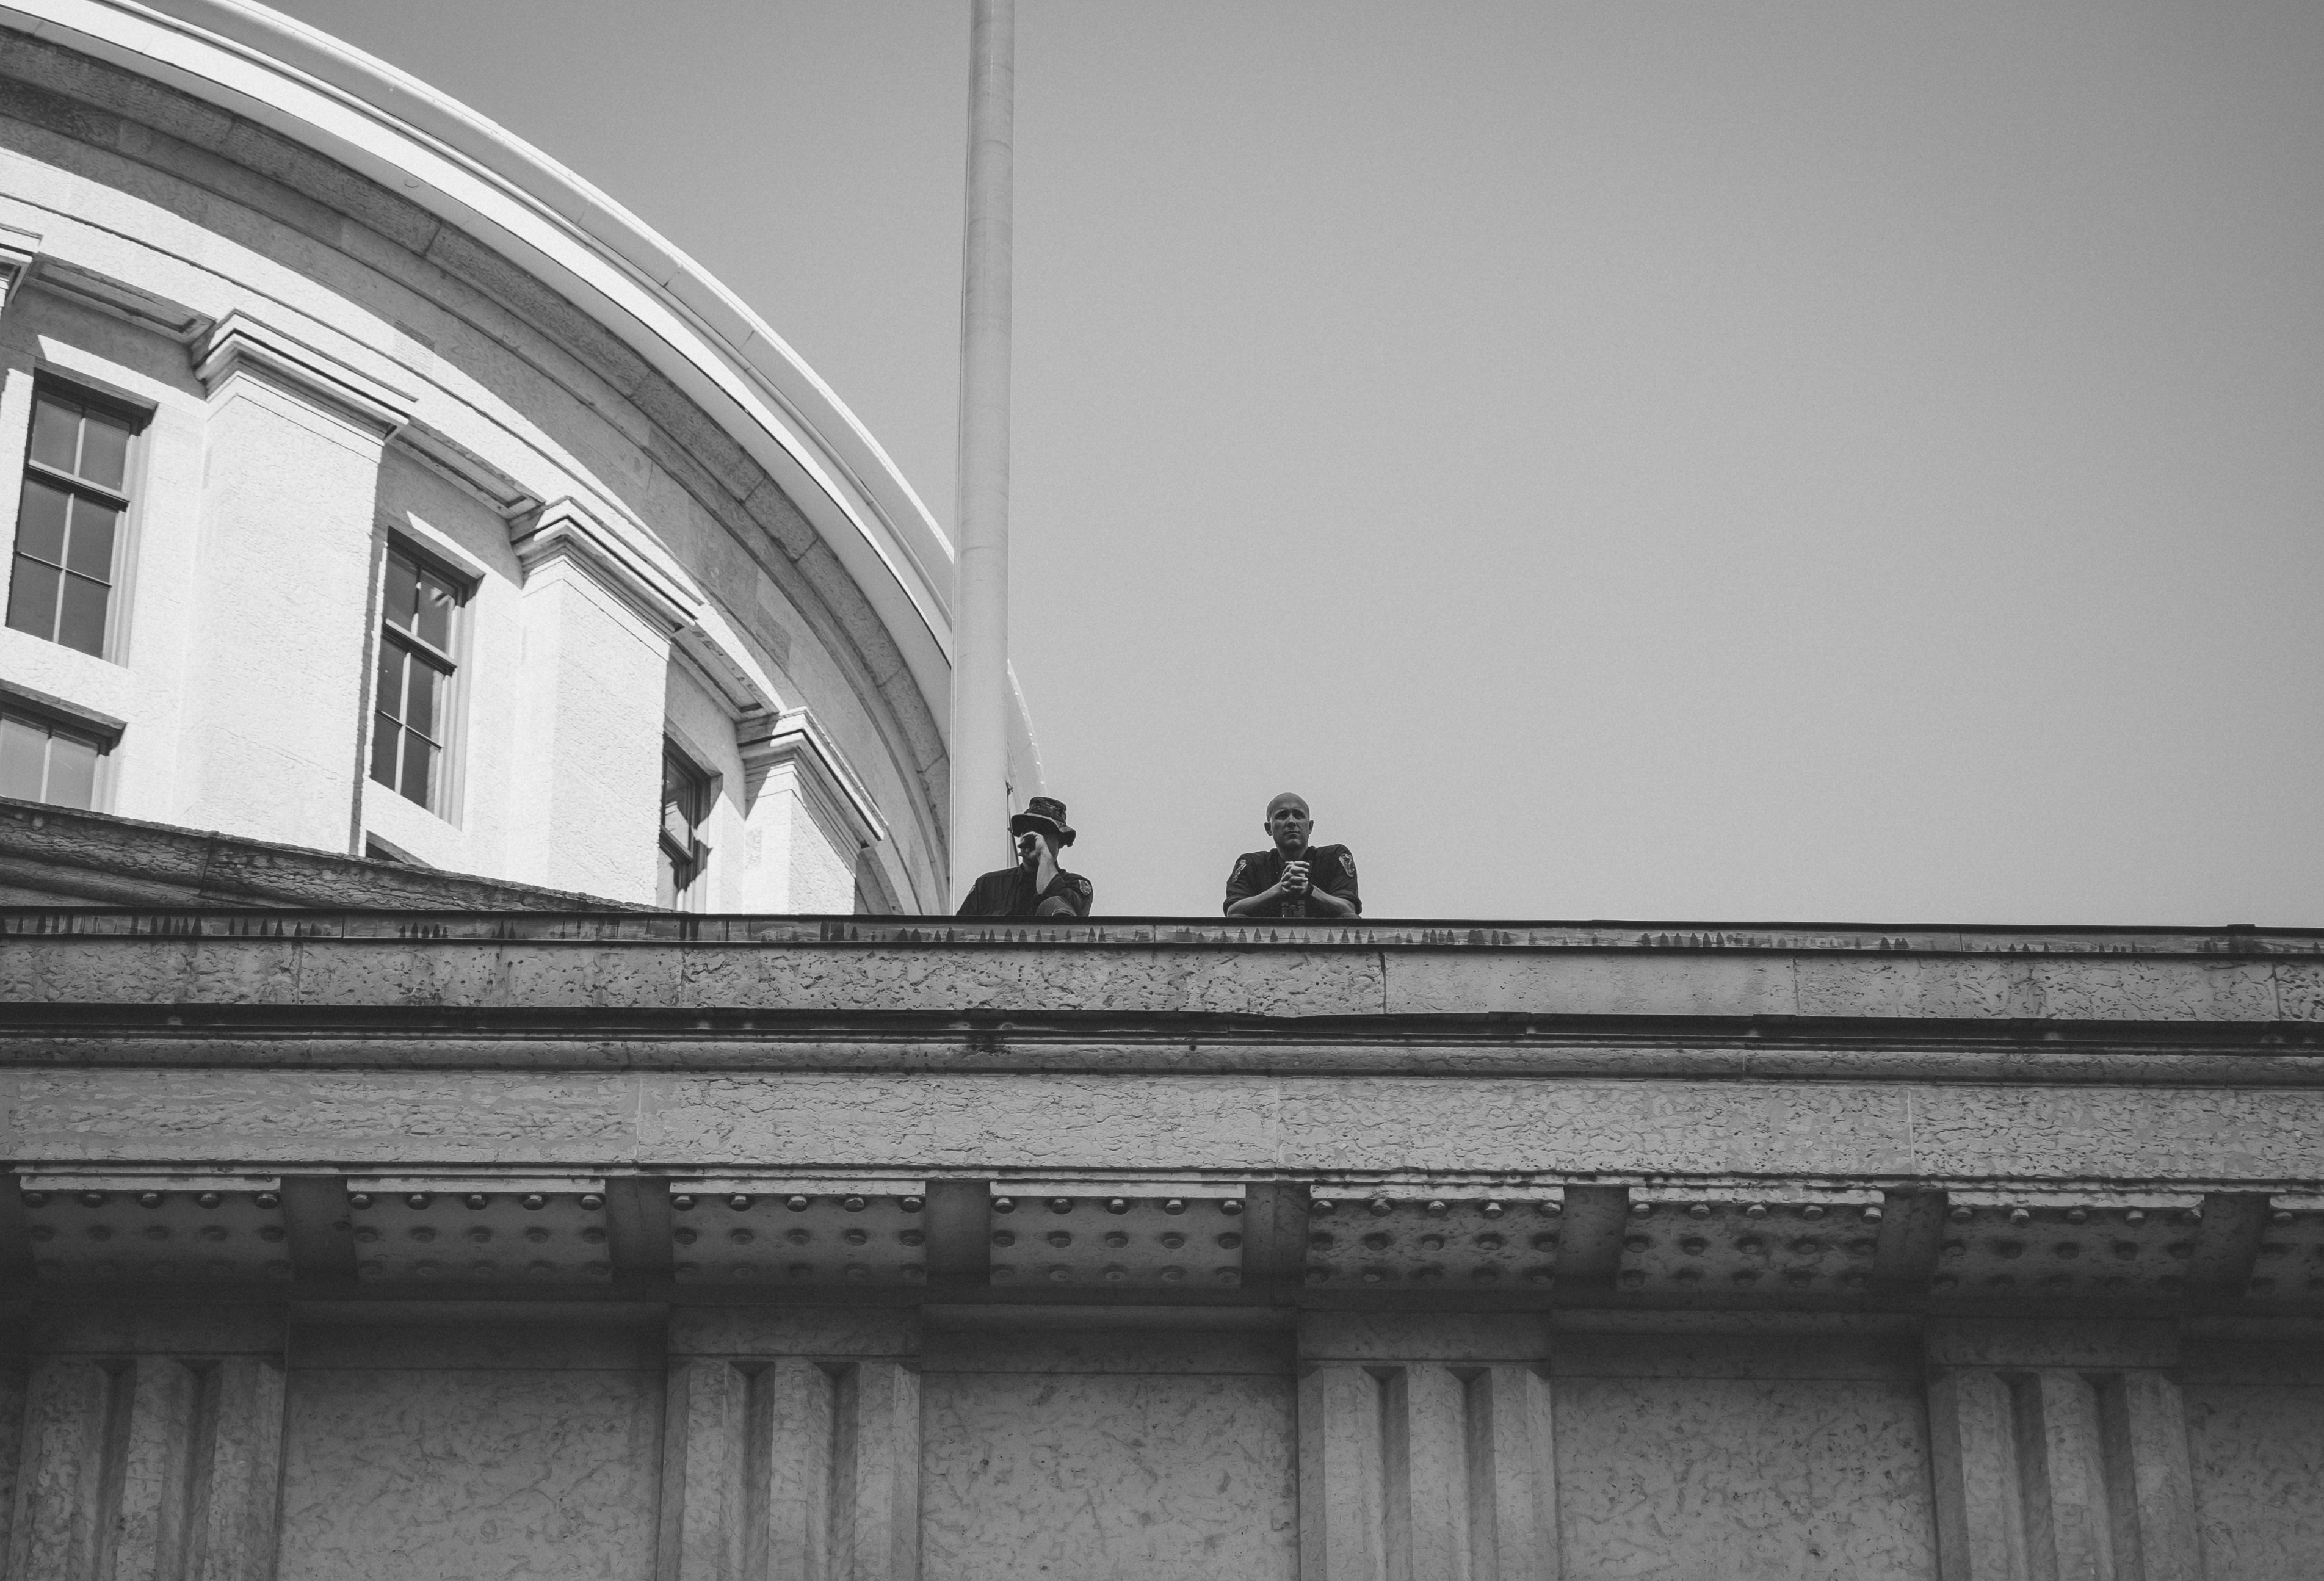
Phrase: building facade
(380, 488)
(390, 1246)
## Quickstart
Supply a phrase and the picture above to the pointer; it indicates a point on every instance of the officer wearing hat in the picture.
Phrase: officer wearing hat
(1036, 886)
(1293, 879)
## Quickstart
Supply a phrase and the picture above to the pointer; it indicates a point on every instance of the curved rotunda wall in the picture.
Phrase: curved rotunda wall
(337, 395)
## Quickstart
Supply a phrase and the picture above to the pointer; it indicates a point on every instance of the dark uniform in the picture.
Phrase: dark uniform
(1331, 869)
(1010, 893)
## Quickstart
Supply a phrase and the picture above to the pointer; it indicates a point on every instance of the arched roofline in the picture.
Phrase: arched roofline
(439, 154)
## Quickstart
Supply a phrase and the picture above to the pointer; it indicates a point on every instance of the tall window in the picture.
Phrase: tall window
(684, 803)
(69, 525)
(42, 762)
(411, 708)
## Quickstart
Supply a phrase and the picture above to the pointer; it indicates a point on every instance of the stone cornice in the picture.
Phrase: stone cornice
(566, 530)
(2003, 1121)
(449, 458)
(239, 344)
(835, 793)
(18, 249)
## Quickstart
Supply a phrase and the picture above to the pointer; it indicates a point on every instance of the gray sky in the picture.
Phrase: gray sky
(1794, 461)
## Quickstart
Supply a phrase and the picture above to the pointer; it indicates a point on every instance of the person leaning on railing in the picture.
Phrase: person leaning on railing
(1293, 878)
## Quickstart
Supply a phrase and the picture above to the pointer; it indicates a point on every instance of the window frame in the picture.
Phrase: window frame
(68, 385)
(103, 734)
(450, 660)
(692, 895)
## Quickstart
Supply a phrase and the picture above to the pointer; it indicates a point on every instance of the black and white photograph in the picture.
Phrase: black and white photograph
(1162, 790)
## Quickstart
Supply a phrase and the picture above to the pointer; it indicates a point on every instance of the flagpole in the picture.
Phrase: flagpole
(980, 613)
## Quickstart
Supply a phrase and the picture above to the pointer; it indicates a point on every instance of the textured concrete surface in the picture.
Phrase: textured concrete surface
(1038, 1467)
(416, 1475)
(1159, 1125)
(1724, 1479)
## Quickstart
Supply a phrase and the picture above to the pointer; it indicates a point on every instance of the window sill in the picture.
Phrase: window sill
(410, 827)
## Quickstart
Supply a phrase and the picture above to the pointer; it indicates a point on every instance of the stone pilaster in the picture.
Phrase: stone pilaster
(2060, 1451)
(153, 1451)
(291, 484)
(1426, 1450)
(791, 1448)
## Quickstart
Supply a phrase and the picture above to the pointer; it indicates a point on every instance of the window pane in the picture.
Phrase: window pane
(33, 598)
(420, 698)
(384, 734)
(40, 524)
(89, 549)
(55, 433)
(80, 615)
(72, 772)
(417, 755)
(435, 605)
(681, 798)
(403, 592)
(665, 880)
(389, 701)
(24, 751)
(103, 450)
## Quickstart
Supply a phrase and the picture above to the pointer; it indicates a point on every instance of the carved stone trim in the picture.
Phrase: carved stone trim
(451, 459)
(116, 299)
(240, 343)
(825, 779)
(566, 530)
(18, 251)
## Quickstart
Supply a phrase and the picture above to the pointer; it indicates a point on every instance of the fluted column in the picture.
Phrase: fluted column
(1425, 1451)
(791, 1449)
(2060, 1454)
(147, 1459)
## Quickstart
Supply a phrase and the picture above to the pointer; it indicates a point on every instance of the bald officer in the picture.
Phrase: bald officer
(1293, 878)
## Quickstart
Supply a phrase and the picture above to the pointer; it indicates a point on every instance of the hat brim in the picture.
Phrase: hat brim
(1019, 823)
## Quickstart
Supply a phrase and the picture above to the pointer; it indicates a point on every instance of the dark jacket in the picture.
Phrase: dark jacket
(1331, 869)
(1010, 893)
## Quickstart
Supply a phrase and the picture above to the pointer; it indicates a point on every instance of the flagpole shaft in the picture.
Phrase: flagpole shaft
(980, 669)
